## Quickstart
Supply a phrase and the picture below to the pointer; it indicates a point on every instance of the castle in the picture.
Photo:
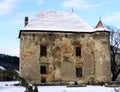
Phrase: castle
(59, 46)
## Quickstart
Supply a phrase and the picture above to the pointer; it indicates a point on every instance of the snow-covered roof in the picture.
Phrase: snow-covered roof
(102, 29)
(2, 68)
(58, 21)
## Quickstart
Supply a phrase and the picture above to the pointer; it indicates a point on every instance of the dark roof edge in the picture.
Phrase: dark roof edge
(58, 31)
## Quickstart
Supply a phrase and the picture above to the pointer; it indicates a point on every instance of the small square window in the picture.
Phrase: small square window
(43, 50)
(78, 72)
(78, 51)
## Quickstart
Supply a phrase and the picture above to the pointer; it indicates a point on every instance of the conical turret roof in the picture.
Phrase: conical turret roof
(100, 27)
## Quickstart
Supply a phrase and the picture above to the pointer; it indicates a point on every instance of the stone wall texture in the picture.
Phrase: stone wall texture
(61, 60)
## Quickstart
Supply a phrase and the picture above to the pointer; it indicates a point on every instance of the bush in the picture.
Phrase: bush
(31, 89)
(9, 75)
(35, 89)
(22, 82)
(80, 83)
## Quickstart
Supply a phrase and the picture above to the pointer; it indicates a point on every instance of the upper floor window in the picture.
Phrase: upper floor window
(43, 51)
(78, 51)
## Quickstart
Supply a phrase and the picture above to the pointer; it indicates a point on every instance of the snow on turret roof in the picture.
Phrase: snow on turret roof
(58, 21)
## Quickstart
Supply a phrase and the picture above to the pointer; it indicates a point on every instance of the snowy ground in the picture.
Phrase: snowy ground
(8, 87)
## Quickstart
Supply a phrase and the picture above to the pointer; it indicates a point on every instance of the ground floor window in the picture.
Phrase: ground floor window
(78, 72)
(43, 69)
(43, 80)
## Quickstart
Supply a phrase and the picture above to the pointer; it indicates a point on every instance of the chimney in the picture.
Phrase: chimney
(26, 20)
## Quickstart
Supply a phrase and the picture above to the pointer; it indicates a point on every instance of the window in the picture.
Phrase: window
(78, 72)
(43, 80)
(78, 51)
(43, 50)
(43, 69)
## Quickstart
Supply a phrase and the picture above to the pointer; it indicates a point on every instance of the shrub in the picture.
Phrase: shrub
(35, 89)
(22, 82)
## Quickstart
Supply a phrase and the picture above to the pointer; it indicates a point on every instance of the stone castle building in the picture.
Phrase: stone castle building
(61, 47)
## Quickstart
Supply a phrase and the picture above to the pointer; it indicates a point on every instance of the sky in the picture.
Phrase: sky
(13, 12)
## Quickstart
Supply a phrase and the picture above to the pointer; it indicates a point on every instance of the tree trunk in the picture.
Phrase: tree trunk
(115, 71)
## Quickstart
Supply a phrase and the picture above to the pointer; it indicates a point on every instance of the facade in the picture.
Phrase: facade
(61, 47)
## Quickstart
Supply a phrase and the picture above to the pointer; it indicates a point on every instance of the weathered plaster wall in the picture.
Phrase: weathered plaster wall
(102, 57)
(61, 60)
(29, 58)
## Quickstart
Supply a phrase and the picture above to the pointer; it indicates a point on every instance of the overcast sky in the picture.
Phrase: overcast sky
(12, 13)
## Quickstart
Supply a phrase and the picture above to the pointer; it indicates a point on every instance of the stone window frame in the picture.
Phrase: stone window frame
(79, 72)
(43, 50)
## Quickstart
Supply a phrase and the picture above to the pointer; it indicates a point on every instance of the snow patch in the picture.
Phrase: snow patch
(102, 29)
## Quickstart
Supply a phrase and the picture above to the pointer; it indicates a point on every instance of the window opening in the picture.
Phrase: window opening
(78, 51)
(43, 50)
(43, 70)
(43, 80)
(78, 72)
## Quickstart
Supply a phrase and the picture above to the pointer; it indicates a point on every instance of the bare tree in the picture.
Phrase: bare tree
(115, 49)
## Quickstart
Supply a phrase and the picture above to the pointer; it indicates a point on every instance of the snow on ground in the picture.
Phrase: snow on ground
(9, 87)
(75, 89)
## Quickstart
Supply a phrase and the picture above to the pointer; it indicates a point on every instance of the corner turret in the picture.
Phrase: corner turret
(101, 38)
